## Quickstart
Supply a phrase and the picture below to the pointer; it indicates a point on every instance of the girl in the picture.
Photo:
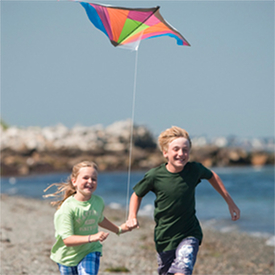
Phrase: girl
(77, 249)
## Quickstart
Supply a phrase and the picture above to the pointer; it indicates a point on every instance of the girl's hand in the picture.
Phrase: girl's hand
(100, 236)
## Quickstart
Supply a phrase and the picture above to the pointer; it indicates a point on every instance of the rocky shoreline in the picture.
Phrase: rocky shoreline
(57, 149)
(27, 235)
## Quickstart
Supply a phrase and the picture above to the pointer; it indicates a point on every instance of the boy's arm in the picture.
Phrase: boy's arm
(217, 183)
(112, 227)
(134, 205)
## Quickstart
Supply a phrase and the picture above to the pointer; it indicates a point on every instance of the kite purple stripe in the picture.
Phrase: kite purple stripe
(104, 16)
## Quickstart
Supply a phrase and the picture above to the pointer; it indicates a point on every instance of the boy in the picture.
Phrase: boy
(177, 233)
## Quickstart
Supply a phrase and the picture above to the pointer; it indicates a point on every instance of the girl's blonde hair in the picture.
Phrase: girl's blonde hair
(166, 137)
(67, 189)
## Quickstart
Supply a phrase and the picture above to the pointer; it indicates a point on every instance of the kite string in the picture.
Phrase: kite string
(131, 136)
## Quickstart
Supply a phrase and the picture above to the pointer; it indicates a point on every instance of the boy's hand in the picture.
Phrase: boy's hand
(234, 211)
(132, 223)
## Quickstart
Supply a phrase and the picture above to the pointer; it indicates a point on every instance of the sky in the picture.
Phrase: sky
(56, 67)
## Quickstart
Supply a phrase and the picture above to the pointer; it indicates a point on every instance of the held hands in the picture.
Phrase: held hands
(124, 228)
(132, 223)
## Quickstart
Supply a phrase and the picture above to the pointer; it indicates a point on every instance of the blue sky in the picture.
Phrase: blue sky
(56, 67)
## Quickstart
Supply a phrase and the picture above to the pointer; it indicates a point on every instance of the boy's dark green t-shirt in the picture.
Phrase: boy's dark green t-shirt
(175, 213)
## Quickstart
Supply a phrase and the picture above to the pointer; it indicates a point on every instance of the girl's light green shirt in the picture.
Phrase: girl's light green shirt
(76, 218)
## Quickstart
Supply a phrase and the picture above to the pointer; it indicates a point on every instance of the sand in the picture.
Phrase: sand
(27, 235)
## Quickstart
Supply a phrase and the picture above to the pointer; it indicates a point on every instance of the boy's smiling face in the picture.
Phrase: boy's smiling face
(177, 154)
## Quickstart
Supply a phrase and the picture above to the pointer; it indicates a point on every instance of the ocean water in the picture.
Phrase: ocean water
(251, 188)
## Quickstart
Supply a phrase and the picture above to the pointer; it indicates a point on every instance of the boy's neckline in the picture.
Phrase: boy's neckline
(177, 172)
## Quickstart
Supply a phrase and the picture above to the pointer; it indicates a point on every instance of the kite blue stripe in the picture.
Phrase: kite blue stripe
(179, 41)
(93, 16)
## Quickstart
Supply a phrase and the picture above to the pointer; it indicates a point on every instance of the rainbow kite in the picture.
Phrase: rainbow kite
(125, 26)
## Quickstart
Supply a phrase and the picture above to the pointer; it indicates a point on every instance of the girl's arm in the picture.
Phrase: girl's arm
(217, 183)
(101, 236)
(134, 205)
(76, 240)
(112, 227)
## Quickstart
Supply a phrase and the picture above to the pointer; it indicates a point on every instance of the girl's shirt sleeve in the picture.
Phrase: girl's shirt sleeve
(64, 224)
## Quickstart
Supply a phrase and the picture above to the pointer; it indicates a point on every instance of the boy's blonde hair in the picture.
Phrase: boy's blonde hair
(166, 137)
(67, 189)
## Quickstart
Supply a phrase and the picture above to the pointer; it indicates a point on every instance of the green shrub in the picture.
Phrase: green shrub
(117, 269)
(4, 124)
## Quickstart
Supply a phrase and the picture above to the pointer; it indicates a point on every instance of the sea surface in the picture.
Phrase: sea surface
(251, 188)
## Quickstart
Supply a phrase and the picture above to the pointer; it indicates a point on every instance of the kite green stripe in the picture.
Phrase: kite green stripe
(130, 28)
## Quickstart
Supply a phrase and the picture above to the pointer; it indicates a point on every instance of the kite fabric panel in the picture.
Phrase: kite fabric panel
(125, 26)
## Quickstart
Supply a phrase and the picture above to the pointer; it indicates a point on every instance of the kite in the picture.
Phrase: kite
(127, 27)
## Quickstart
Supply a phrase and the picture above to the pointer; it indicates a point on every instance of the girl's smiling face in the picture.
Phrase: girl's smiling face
(85, 183)
(177, 154)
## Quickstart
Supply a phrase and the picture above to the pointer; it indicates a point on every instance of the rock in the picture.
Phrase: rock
(115, 147)
(121, 129)
(57, 148)
(259, 159)
(238, 155)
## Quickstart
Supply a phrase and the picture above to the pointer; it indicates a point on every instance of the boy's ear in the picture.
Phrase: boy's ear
(164, 153)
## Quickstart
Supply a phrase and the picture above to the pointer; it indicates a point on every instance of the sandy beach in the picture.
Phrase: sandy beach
(27, 235)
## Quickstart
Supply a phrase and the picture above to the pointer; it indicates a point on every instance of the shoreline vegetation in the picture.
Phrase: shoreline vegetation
(36, 150)
(27, 235)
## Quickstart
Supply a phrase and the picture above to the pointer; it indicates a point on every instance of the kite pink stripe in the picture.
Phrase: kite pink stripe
(152, 21)
(139, 16)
